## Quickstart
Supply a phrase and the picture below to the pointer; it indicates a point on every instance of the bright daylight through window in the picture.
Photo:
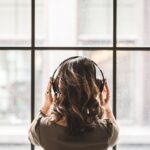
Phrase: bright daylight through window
(87, 27)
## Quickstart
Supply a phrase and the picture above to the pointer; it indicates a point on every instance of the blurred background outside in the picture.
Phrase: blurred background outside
(74, 23)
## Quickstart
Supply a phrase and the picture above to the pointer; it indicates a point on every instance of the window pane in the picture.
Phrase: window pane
(15, 98)
(47, 61)
(133, 105)
(74, 23)
(133, 23)
(15, 25)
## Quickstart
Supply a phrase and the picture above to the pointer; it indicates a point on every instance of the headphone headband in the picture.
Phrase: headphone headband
(62, 63)
(70, 58)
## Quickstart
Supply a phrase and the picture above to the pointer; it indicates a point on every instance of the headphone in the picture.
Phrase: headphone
(99, 82)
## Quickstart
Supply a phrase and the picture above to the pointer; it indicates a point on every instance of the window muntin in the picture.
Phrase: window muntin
(126, 43)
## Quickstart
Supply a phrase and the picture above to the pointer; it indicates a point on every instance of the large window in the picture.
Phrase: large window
(36, 35)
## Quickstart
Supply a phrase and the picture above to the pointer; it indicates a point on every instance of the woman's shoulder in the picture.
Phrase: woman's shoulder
(112, 129)
(109, 126)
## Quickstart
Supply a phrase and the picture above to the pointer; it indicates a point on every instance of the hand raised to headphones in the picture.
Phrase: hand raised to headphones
(48, 99)
(104, 96)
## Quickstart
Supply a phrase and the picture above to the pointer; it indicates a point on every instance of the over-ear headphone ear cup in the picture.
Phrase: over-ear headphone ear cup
(55, 86)
(100, 84)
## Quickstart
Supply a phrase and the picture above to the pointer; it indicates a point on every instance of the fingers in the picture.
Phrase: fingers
(104, 96)
(101, 98)
(107, 92)
(48, 89)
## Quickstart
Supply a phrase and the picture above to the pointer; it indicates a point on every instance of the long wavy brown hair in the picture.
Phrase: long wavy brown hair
(78, 97)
